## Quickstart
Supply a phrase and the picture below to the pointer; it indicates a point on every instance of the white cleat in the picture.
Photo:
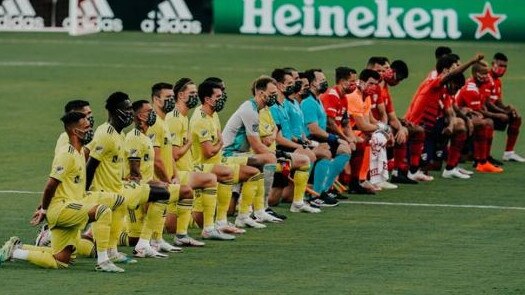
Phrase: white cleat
(261, 216)
(369, 186)
(167, 247)
(188, 241)
(148, 252)
(386, 185)
(420, 176)
(303, 207)
(229, 228)
(454, 173)
(122, 258)
(512, 157)
(215, 234)
(6, 252)
(246, 221)
(108, 266)
(465, 171)
(44, 237)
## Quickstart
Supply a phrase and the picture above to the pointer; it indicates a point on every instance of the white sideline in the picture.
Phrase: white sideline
(433, 205)
(359, 203)
(340, 45)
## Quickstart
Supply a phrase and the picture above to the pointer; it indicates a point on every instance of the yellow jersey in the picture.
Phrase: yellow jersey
(108, 148)
(204, 128)
(139, 147)
(179, 130)
(62, 141)
(69, 167)
(267, 125)
(160, 135)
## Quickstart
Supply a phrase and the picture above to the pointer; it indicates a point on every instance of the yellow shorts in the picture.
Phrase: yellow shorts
(135, 194)
(235, 163)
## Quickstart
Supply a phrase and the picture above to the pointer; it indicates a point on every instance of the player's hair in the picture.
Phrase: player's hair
(115, 99)
(280, 74)
(343, 73)
(367, 74)
(181, 85)
(455, 57)
(158, 87)
(71, 118)
(445, 62)
(500, 56)
(476, 67)
(380, 60)
(401, 69)
(290, 69)
(261, 83)
(302, 75)
(75, 105)
(442, 51)
(206, 89)
(310, 74)
(137, 105)
(458, 80)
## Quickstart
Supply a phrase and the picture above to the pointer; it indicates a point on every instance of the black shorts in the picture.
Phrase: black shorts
(285, 149)
(279, 181)
(333, 148)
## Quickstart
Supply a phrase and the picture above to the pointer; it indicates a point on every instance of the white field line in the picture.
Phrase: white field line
(433, 205)
(340, 45)
(20, 192)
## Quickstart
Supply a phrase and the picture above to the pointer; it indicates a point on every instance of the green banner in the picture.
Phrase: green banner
(398, 19)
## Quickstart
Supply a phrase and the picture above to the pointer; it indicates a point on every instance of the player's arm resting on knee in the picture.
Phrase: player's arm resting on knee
(382, 112)
(492, 107)
(158, 166)
(332, 127)
(47, 196)
(489, 114)
(402, 132)
(257, 146)
(450, 114)
(283, 141)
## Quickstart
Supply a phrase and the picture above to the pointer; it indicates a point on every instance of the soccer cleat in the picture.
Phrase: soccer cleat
(229, 228)
(465, 171)
(44, 237)
(6, 252)
(188, 241)
(386, 185)
(328, 201)
(108, 266)
(122, 258)
(262, 216)
(420, 176)
(147, 252)
(494, 162)
(164, 246)
(275, 214)
(513, 157)
(246, 221)
(488, 168)
(337, 196)
(454, 173)
(215, 234)
(359, 190)
(304, 207)
(401, 177)
(369, 186)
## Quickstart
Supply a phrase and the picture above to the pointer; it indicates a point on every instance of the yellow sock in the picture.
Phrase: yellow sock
(184, 207)
(86, 248)
(44, 259)
(248, 191)
(37, 248)
(154, 217)
(209, 202)
(258, 199)
(300, 180)
(224, 195)
(105, 226)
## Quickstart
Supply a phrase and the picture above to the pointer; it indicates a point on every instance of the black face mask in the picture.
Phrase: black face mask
(271, 100)
(289, 90)
(305, 94)
(322, 87)
(193, 101)
(125, 118)
(88, 136)
(297, 86)
(224, 95)
(169, 105)
(91, 121)
(152, 118)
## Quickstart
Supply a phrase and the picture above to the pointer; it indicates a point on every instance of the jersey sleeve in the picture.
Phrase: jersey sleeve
(202, 130)
(101, 145)
(250, 120)
(61, 166)
(309, 111)
(329, 104)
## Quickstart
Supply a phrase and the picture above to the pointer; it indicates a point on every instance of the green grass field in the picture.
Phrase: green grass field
(357, 248)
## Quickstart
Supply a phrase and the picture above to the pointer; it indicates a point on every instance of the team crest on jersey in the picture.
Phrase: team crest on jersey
(151, 136)
(59, 170)
(77, 179)
(146, 157)
(99, 148)
(255, 127)
(165, 140)
(204, 132)
(115, 159)
(133, 152)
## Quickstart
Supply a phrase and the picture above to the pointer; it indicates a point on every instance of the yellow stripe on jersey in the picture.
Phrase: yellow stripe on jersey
(204, 128)
(69, 167)
(267, 125)
(179, 130)
(108, 148)
(138, 146)
(160, 135)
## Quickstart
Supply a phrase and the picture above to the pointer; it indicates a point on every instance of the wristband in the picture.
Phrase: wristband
(332, 138)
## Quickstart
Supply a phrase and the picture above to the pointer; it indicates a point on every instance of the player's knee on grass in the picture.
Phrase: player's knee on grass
(64, 256)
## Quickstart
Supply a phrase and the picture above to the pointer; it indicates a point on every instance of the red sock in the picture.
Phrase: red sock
(456, 146)
(512, 133)
(489, 133)
(400, 155)
(357, 160)
(479, 143)
(417, 143)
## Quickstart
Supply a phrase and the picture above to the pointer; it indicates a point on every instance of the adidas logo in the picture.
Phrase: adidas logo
(173, 16)
(96, 14)
(19, 15)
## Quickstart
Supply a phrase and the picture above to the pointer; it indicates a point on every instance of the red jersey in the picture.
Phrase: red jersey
(335, 104)
(497, 92)
(387, 99)
(376, 99)
(428, 103)
(473, 96)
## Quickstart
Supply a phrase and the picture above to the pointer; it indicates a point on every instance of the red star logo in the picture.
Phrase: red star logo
(488, 22)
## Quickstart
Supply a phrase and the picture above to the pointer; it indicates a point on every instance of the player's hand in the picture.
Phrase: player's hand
(448, 130)
(401, 135)
(478, 57)
(38, 217)
(352, 146)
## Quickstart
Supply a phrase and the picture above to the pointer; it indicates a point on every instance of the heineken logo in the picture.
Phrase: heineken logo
(379, 19)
